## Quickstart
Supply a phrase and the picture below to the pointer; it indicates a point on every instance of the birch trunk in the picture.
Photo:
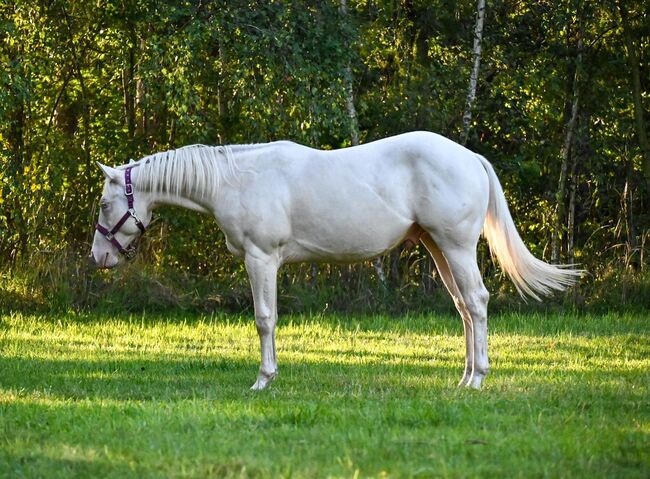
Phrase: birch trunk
(141, 113)
(473, 79)
(348, 80)
(349, 91)
(349, 104)
(128, 83)
(224, 131)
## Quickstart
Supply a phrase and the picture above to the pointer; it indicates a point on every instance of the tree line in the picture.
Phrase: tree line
(554, 93)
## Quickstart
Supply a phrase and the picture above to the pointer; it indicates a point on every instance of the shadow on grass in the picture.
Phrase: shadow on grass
(177, 379)
(135, 415)
(33, 464)
(208, 377)
(529, 324)
(151, 413)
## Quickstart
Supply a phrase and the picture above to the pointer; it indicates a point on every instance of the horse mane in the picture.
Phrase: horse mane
(191, 170)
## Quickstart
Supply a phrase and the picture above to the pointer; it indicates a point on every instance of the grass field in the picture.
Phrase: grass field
(95, 396)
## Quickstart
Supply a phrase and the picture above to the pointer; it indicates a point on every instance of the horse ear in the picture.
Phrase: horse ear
(111, 174)
(131, 161)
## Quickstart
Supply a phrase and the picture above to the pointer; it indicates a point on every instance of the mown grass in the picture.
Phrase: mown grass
(167, 396)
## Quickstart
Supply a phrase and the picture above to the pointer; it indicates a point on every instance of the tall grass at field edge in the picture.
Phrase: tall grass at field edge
(68, 282)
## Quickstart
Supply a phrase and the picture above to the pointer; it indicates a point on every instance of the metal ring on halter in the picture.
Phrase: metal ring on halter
(130, 251)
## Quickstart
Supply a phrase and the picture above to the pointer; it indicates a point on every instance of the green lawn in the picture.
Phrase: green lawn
(152, 396)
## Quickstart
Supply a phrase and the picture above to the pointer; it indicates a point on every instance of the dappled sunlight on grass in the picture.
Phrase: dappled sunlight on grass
(149, 396)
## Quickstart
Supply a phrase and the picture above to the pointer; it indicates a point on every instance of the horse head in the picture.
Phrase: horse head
(122, 216)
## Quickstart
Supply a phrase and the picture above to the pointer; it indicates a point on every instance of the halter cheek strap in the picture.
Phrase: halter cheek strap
(129, 251)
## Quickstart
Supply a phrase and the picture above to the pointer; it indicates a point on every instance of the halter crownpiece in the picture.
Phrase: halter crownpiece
(129, 251)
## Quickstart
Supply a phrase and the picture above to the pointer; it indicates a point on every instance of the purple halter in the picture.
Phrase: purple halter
(129, 251)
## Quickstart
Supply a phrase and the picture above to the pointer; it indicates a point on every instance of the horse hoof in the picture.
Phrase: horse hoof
(476, 381)
(262, 382)
(467, 377)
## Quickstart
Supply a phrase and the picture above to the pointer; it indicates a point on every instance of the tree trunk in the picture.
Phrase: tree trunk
(223, 134)
(633, 61)
(473, 79)
(349, 90)
(580, 153)
(632, 253)
(129, 106)
(142, 124)
(128, 82)
(13, 171)
(349, 104)
(571, 214)
(348, 81)
(560, 196)
(85, 116)
(560, 209)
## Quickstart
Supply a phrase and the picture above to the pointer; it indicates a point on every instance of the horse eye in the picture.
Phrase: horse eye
(103, 205)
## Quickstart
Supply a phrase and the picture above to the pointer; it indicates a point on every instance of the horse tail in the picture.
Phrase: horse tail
(530, 275)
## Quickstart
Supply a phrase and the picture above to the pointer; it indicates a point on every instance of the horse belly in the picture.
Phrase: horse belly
(346, 228)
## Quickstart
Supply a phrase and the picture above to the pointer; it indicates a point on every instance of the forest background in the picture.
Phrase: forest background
(560, 109)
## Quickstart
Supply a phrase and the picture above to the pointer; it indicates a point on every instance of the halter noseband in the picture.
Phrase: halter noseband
(129, 251)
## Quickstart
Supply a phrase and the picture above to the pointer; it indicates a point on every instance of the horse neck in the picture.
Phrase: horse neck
(214, 168)
(187, 202)
(164, 184)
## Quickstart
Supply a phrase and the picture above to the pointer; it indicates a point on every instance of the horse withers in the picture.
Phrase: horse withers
(282, 202)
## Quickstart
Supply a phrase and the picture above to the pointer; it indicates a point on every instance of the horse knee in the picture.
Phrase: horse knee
(265, 323)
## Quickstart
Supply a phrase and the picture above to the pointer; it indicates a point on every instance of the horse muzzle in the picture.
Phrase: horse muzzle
(104, 260)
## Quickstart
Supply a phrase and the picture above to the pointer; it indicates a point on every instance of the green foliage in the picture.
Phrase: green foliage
(107, 81)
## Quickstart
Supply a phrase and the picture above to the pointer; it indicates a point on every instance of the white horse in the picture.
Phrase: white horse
(282, 202)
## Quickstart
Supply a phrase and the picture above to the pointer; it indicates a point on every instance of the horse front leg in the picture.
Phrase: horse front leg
(262, 272)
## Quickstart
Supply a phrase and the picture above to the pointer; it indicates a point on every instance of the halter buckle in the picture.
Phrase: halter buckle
(128, 189)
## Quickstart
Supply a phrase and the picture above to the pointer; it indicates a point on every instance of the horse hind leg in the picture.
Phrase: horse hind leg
(460, 274)
(465, 269)
(450, 283)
